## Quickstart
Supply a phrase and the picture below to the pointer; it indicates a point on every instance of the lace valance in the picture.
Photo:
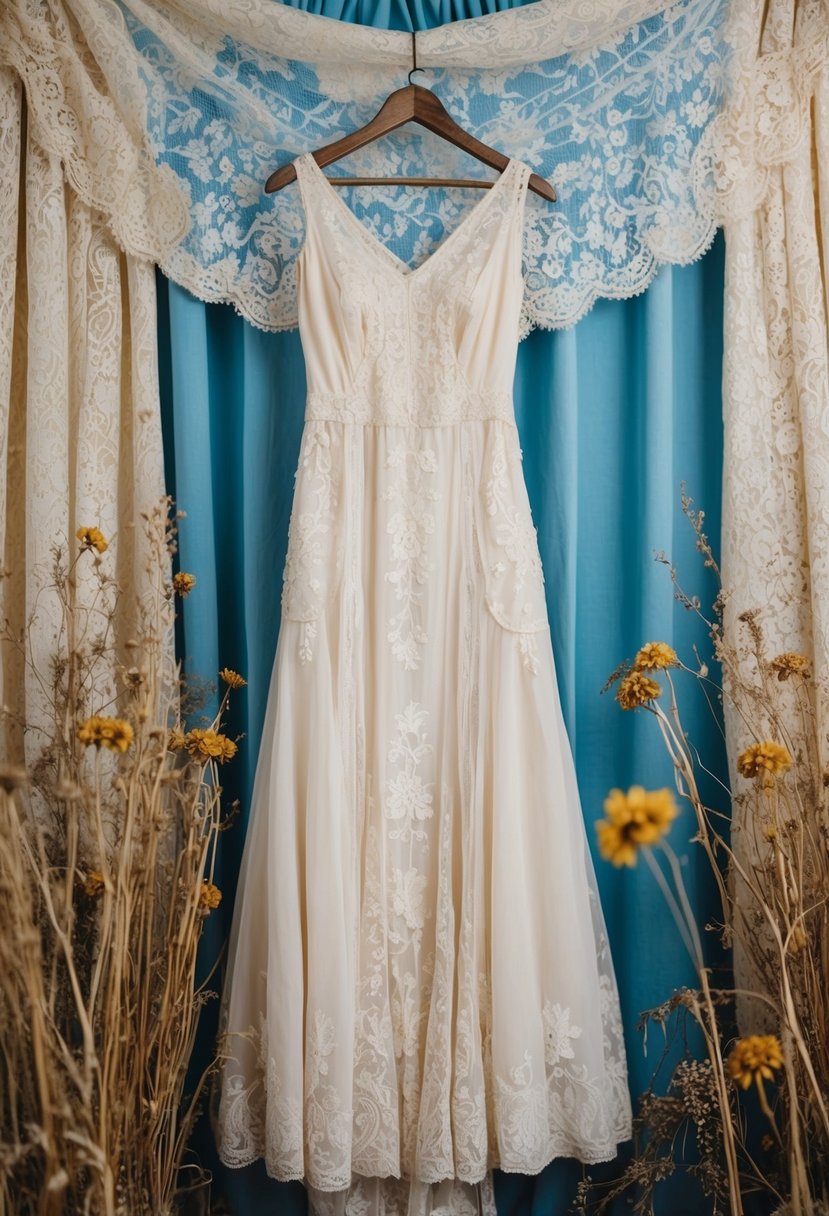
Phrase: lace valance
(169, 117)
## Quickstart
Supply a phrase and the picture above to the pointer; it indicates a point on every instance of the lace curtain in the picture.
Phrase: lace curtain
(80, 438)
(169, 116)
(774, 157)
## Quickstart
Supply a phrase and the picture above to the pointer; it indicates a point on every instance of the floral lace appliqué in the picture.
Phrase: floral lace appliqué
(410, 524)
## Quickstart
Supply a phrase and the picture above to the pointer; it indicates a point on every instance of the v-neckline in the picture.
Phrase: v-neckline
(395, 263)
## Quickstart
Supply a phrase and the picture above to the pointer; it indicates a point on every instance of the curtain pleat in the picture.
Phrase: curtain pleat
(80, 427)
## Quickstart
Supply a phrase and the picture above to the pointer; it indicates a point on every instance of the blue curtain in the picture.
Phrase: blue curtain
(613, 415)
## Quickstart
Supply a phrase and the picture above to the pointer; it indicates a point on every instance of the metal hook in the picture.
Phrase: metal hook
(415, 68)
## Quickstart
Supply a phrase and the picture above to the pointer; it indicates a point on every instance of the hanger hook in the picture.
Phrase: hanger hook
(415, 68)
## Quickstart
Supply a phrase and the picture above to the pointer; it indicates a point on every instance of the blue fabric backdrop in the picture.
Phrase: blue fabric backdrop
(613, 414)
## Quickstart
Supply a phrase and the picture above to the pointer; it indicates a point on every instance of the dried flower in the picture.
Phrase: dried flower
(637, 689)
(768, 759)
(209, 745)
(232, 678)
(114, 733)
(176, 740)
(183, 583)
(634, 818)
(92, 538)
(655, 656)
(755, 1058)
(94, 883)
(791, 664)
(210, 896)
(12, 776)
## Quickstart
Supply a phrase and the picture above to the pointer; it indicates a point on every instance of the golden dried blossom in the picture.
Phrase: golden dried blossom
(632, 819)
(637, 689)
(754, 1059)
(94, 883)
(232, 678)
(183, 583)
(767, 759)
(210, 896)
(655, 656)
(791, 664)
(92, 538)
(209, 745)
(114, 733)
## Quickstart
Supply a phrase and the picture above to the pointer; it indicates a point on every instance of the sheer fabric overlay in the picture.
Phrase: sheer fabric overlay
(169, 117)
(419, 982)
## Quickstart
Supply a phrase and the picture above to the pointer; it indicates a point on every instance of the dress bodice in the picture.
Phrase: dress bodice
(426, 346)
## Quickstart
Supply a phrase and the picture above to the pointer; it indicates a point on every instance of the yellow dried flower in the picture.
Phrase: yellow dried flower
(94, 883)
(655, 656)
(232, 678)
(637, 689)
(634, 818)
(791, 664)
(92, 538)
(209, 745)
(210, 896)
(754, 1059)
(176, 740)
(767, 759)
(114, 733)
(183, 583)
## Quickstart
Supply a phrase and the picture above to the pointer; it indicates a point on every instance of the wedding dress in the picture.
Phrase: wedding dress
(419, 986)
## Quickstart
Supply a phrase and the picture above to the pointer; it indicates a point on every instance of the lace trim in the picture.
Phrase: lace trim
(474, 406)
(610, 101)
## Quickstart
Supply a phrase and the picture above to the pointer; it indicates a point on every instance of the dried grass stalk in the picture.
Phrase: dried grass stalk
(107, 848)
(774, 902)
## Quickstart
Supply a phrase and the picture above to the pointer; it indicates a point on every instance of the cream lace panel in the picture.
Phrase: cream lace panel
(79, 412)
(775, 539)
(169, 117)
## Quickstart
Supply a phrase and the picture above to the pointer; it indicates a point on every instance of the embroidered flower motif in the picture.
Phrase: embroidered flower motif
(407, 896)
(409, 527)
(311, 556)
(559, 1033)
(407, 797)
(321, 1044)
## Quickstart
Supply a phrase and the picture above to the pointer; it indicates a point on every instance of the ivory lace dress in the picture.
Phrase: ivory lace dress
(419, 986)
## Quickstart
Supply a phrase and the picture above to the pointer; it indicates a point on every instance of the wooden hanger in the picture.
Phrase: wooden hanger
(412, 103)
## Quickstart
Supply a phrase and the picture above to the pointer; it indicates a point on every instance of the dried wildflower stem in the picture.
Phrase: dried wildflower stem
(706, 1014)
(102, 860)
